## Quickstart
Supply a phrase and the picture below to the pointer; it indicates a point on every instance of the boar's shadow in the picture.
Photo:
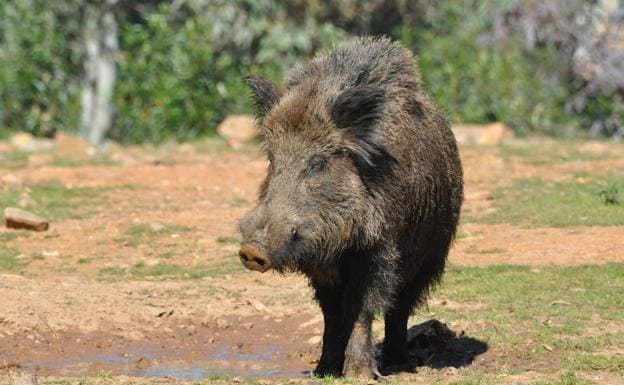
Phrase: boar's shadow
(434, 345)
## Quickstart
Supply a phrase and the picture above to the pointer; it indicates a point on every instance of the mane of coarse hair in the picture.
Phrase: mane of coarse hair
(361, 61)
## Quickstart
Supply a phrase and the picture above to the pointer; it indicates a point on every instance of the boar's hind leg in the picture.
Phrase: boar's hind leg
(395, 355)
(335, 336)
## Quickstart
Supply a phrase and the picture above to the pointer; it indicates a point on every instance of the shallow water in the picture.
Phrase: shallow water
(269, 361)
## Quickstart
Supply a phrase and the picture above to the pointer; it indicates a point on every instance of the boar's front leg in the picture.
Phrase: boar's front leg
(360, 354)
(347, 338)
(335, 337)
(369, 283)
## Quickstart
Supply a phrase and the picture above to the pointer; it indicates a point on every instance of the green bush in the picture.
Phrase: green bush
(181, 64)
(181, 71)
(478, 83)
(39, 66)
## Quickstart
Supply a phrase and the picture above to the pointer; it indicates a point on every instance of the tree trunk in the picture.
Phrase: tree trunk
(102, 43)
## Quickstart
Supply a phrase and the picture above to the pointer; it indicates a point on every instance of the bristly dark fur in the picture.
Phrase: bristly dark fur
(362, 195)
(265, 94)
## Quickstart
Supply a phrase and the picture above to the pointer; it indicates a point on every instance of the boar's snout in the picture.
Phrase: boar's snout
(253, 259)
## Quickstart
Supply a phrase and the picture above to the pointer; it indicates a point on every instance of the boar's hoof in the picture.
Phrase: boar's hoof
(254, 259)
(362, 370)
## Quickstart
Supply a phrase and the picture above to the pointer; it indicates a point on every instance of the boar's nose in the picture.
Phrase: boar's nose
(253, 259)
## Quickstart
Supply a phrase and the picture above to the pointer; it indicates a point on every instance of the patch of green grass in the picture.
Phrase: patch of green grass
(173, 271)
(9, 260)
(530, 314)
(536, 202)
(14, 159)
(143, 233)
(494, 250)
(211, 145)
(467, 234)
(549, 152)
(568, 378)
(104, 374)
(112, 271)
(38, 257)
(60, 382)
(56, 201)
(163, 270)
(237, 202)
(13, 234)
(96, 160)
(610, 195)
(228, 240)
(612, 362)
(166, 255)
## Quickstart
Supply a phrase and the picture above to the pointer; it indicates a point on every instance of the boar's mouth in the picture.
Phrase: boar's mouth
(253, 258)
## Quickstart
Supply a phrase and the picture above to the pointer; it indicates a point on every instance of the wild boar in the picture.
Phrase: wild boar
(362, 195)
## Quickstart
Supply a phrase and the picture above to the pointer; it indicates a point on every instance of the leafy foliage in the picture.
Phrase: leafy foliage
(181, 71)
(39, 65)
(553, 67)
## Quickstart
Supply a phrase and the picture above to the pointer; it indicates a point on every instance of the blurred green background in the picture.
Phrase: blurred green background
(553, 67)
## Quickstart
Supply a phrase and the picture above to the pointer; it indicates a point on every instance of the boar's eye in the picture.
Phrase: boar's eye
(316, 164)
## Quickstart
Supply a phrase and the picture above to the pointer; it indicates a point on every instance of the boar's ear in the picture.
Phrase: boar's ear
(356, 113)
(264, 93)
(358, 107)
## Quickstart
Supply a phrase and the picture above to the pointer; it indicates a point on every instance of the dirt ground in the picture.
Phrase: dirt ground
(62, 315)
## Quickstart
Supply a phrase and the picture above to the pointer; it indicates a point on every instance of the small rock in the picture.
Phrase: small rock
(26, 142)
(315, 340)
(491, 134)
(21, 219)
(21, 139)
(11, 179)
(237, 129)
(50, 254)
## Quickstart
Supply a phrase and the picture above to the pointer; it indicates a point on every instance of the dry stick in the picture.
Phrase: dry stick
(44, 320)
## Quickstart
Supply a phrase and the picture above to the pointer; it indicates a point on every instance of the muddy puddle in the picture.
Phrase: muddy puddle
(268, 350)
(268, 361)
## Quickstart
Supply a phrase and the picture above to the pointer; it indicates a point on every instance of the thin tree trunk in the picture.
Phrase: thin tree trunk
(102, 43)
